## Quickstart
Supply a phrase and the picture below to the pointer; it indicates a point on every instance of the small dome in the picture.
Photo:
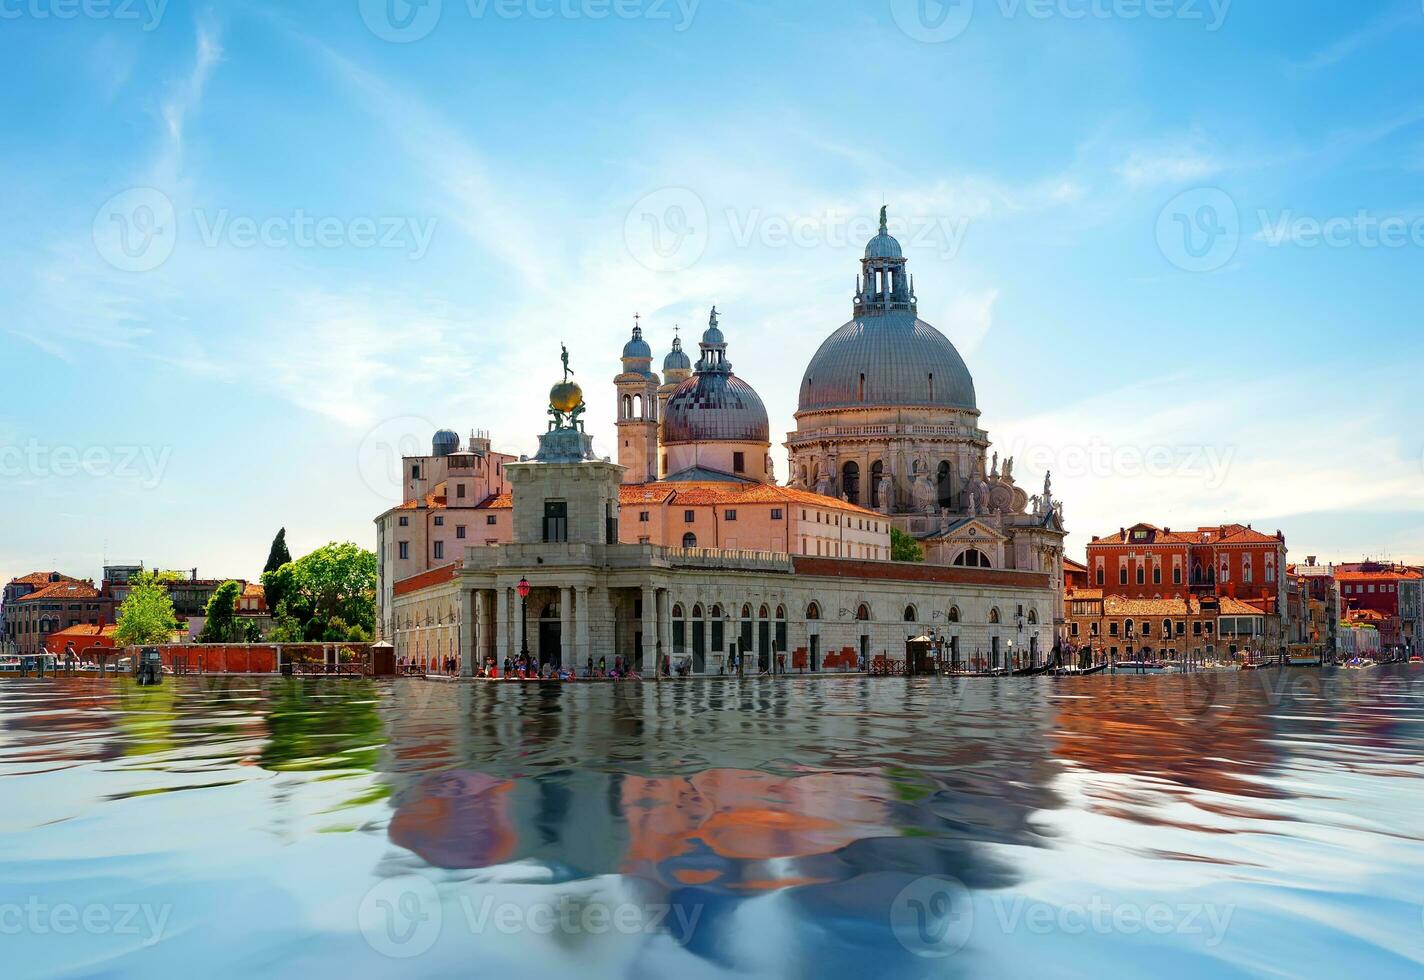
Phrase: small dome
(637, 347)
(883, 246)
(445, 443)
(713, 335)
(715, 407)
(677, 359)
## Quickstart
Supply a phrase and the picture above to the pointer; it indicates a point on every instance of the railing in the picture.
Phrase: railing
(811, 435)
(728, 558)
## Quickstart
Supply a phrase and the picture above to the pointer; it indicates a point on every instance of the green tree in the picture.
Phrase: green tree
(336, 582)
(903, 547)
(279, 555)
(285, 627)
(146, 616)
(221, 624)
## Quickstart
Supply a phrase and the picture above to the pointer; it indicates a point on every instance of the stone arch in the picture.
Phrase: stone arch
(972, 558)
(850, 482)
(944, 484)
(910, 614)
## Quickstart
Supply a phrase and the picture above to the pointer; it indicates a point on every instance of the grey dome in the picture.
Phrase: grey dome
(883, 246)
(715, 407)
(445, 443)
(638, 347)
(903, 359)
(713, 335)
(677, 360)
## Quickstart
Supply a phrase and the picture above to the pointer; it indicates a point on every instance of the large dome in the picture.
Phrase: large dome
(887, 358)
(715, 407)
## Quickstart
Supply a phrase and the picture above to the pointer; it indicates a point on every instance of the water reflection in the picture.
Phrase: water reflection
(791, 817)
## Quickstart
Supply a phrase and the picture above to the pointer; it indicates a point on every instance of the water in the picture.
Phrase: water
(1237, 825)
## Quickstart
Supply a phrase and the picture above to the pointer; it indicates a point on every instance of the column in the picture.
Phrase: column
(650, 629)
(518, 612)
(664, 598)
(566, 621)
(582, 644)
(502, 631)
(469, 647)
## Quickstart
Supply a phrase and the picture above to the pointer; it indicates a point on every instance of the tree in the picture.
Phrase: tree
(279, 555)
(146, 616)
(903, 547)
(221, 624)
(285, 628)
(335, 583)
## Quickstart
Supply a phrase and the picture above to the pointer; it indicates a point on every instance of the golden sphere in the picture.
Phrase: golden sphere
(565, 396)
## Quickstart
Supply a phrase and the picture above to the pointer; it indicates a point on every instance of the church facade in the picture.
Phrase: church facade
(698, 550)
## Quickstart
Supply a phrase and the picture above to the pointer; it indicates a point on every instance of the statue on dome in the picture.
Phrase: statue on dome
(565, 358)
(1048, 485)
(994, 473)
(884, 220)
(1009, 470)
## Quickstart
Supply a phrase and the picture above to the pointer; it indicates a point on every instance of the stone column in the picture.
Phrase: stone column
(664, 598)
(566, 623)
(583, 648)
(650, 629)
(519, 610)
(469, 647)
(502, 630)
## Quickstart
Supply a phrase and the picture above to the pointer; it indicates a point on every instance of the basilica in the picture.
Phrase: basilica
(688, 546)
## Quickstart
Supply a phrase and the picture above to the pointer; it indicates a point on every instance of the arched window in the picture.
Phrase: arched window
(944, 482)
(813, 611)
(862, 613)
(746, 612)
(762, 613)
(1166, 629)
(973, 558)
(1127, 627)
(689, 540)
(1246, 569)
(677, 612)
(1033, 617)
(954, 614)
(994, 616)
(627, 406)
(1225, 570)
(877, 472)
(862, 387)
(637, 406)
(697, 611)
(850, 482)
(1270, 569)
(780, 612)
(909, 614)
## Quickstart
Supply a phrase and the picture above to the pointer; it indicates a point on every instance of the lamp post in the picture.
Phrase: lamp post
(523, 589)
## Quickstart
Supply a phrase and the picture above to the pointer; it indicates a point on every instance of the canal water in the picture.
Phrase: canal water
(1255, 824)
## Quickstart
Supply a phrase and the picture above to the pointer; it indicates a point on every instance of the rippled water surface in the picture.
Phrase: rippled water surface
(1253, 824)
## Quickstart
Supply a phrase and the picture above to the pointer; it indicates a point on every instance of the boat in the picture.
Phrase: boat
(27, 665)
(1033, 671)
(1137, 666)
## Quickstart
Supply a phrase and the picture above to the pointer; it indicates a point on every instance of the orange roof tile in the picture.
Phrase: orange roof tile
(42, 578)
(84, 630)
(62, 590)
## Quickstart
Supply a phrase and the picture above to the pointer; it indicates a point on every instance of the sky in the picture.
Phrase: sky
(251, 251)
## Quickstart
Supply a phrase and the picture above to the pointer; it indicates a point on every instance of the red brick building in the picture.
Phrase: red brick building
(1372, 585)
(31, 618)
(1148, 562)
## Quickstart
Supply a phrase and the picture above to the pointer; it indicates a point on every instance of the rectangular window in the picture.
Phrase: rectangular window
(1100, 576)
(729, 515)
(404, 550)
(439, 550)
(439, 522)
(405, 522)
(689, 516)
(776, 513)
(739, 462)
(460, 491)
(644, 516)
(1072, 629)
(1177, 576)
(1112, 629)
(460, 531)
(415, 471)
(1122, 575)
(492, 519)
(1141, 575)
(1157, 575)
(556, 521)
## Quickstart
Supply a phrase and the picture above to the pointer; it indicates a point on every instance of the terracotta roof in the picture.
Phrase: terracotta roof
(62, 590)
(1074, 566)
(1082, 595)
(1236, 607)
(42, 578)
(426, 580)
(253, 590)
(710, 493)
(1393, 575)
(435, 498)
(1115, 605)
(499, 501)
(83, 630)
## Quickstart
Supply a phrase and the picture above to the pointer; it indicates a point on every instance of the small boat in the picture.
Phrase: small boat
(1137, 666)
(28, 665)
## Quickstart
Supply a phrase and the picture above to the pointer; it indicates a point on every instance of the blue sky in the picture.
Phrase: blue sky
(246, 248)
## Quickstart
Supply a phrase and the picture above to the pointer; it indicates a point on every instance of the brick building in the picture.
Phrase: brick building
(54, 607)
(14, 590)
(1179, 629)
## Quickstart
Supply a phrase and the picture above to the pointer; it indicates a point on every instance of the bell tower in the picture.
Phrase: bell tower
(637, 410)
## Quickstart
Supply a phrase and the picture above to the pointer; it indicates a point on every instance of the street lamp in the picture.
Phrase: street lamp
(523, 589)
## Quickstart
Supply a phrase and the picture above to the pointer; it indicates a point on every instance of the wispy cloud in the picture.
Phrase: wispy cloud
(184, 99)
(1404, 16)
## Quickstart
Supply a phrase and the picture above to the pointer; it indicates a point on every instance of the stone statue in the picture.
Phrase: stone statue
(1048, 485)
(565, 358)
(823, 481)
(973, 505)
(887, 493)
(924, 495)
(994, 473)
(1009, 470)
